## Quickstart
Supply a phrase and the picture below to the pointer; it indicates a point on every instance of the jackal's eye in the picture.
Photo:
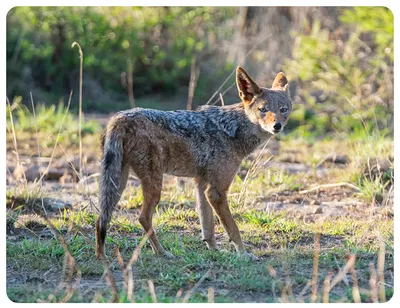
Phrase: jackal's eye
(283, 110)
(263, 109)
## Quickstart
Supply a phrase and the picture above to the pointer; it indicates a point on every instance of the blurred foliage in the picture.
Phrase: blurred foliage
(342, 69)
(345, 77)
(377, 20)
(159, 41)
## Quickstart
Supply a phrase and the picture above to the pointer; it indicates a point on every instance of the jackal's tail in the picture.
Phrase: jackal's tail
(110, 182)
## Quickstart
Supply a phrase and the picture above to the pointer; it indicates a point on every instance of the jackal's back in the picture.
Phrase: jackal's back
(184, 142)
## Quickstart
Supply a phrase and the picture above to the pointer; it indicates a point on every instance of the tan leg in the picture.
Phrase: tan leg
(151, 196)
(218, 200)
(206, 217)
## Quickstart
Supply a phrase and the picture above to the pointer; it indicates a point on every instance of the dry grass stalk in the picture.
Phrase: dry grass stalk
(223, 93)
(327, 284)
(345, 280)
(40, 158)
(152, 291)
(178, 295)
(97, 297)
(373, 283)
(300, 298)
(285, 288)
(70, 260)
(130, 84)
(58, 135)
(222, 99)
(381, 270)
(340, 276)
(130, 286)
(329, 186)
(365, 292)
(198, 283)
(221, 86)
(19, 169)
(86, 194)
(194, 75)
(272, 273)
(314, 280)
(284, 297)
(255, 164)
(282, 286)
(37, 134)
(210, 295)
(233, 72)
(138, 249)
(127, 268)
(288, 283)
(122, 266)
(354, 289)
(110, 280)
(80, 101)
(71, 292)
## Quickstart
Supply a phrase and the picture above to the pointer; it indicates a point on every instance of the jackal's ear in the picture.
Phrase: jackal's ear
(246, 86)
(280, 81)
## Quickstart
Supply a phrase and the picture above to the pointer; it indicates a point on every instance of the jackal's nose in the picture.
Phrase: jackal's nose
(277, 126)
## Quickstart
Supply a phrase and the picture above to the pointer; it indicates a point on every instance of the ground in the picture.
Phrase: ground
(302, 231)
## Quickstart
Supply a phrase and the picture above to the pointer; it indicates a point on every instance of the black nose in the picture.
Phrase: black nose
(278, 126)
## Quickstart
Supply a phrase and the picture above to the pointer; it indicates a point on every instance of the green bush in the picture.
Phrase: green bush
(159, 42)
(345, 77)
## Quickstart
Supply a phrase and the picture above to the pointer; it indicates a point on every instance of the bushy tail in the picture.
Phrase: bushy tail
(110, 181)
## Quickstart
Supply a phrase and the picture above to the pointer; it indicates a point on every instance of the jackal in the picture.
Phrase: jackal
(207, 144)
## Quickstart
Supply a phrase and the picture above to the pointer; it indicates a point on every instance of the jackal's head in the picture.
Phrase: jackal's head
(269, 108)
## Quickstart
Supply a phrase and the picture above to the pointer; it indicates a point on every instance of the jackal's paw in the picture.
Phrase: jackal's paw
(248, 255)
(211, 244)
(213, 248)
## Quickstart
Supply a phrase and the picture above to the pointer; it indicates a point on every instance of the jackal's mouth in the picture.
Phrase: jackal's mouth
(271, 130)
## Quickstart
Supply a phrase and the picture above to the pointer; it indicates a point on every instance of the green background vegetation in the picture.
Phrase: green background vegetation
(339, 60)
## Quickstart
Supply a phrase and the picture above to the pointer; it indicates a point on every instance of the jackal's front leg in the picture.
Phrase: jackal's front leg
(219, 201)
(206, 217)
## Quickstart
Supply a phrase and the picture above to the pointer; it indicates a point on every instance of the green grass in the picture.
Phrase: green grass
(21, 198)
(53, 123)
(373, 191)
(281, 242)
(49, 119)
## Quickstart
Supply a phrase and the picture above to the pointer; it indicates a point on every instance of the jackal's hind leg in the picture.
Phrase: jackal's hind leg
(151, 196)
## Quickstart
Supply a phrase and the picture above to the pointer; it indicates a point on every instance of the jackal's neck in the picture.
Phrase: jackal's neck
(248, 135)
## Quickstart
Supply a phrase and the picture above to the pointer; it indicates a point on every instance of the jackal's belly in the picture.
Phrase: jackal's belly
(182, 173)
(180, 166)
